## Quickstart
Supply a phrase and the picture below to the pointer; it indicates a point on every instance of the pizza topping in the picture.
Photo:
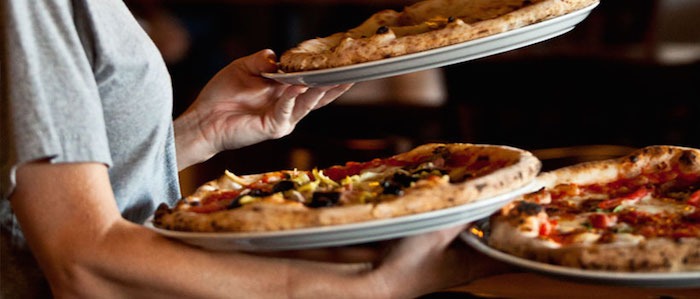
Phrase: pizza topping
(652, 204)
(427, 178)
(600, 220)
(655, 209)
(362, 183)
(324, 199)
(635, 213)
(694, 199)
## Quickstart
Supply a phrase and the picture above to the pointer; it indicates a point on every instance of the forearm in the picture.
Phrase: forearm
(143, 263)
(130, 261)
(87, 250)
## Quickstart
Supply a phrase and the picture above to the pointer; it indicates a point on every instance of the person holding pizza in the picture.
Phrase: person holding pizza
(89, 149)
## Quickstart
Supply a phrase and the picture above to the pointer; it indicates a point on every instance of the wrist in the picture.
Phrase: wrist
(191, 146)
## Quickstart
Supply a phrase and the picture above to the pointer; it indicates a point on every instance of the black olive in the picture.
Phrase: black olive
(382, 29)
(283, 186)
(450, 19)
(258, 193)
(403, 179)
(324, 199)
(392, 188)
(235, 203)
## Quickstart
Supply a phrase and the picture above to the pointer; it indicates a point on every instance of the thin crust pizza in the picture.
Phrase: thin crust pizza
(425, 25)
(638, 213)
(430, 177)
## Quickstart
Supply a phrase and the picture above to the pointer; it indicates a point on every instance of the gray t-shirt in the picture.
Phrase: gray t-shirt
(82, 82)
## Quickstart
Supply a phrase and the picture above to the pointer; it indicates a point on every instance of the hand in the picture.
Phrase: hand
(238, 107)
(411, 266)
(432, 262)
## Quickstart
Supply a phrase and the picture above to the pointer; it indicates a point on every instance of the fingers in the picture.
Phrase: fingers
(306, 102)
(317, 97)
(287, 104)
(294, 102)
(333, 94)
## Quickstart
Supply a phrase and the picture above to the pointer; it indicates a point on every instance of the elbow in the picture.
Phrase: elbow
(71, 277)
(70, 268)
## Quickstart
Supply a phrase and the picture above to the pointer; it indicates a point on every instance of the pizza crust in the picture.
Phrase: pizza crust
(518, 234)
(655, 255)
(422, 197)
(425, 25)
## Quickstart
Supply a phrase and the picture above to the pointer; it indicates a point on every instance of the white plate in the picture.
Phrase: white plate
(478, 238)
(346, 234)
(434, 58)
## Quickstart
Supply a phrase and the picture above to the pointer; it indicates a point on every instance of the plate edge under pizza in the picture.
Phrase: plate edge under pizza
(422, 26)
(649, 223)
(491, 170)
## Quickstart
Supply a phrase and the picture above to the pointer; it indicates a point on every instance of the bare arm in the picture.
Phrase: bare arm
(87, 250)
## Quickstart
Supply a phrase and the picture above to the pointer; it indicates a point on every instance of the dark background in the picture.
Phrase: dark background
(599, 90)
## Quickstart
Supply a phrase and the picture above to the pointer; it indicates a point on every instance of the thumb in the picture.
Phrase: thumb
(263, 61)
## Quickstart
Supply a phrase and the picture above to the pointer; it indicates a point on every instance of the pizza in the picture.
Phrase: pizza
(429, 177)
(422, 26)
(637, 213)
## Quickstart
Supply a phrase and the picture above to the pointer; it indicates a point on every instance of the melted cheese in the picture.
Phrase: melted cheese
(565, 226)
(656, 206)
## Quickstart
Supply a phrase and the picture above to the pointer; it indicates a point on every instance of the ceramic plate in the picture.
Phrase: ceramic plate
(438, 57)
(477, 236)
(347, 234)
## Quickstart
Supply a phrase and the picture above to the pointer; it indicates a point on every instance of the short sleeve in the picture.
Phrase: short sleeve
(51, 106)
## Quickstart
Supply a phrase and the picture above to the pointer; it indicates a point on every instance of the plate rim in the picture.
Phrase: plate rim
(398, 59)
(686, 279)
(350, 228)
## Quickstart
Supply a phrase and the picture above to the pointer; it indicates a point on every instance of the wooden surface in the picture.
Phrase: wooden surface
(529, 285)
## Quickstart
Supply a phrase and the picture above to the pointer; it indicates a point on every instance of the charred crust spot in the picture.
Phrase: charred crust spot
(687, 158)
(441, 151)
(483, 158)
(382, 29)
(644, 264)
(527, 2)
(528, 208)
(634, 158)
(480, 187)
